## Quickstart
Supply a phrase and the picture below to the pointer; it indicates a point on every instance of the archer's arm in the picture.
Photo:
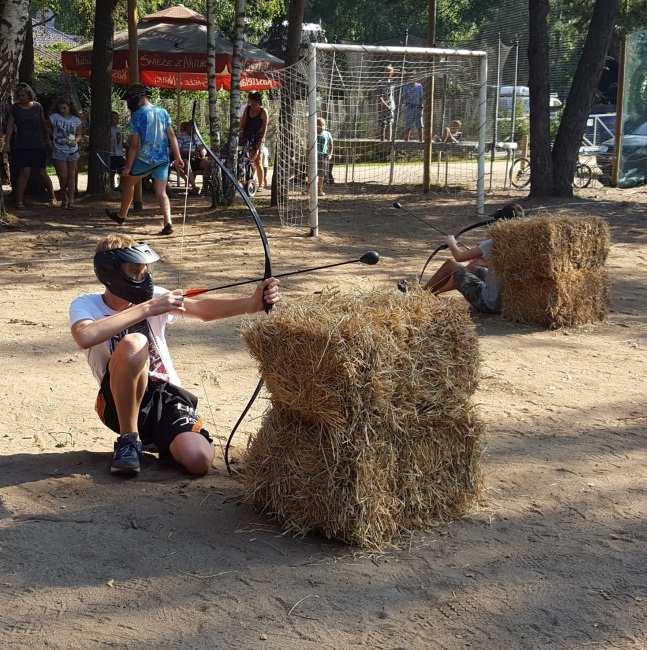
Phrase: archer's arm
(208, 308)
(88, 332)
(464, 255)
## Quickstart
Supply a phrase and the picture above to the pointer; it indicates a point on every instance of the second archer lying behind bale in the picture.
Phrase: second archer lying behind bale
(476, 280)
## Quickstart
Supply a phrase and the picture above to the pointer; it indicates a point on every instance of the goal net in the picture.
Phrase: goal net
(371, 99)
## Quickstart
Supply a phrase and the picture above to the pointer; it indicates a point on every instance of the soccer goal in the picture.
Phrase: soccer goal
(371, 99)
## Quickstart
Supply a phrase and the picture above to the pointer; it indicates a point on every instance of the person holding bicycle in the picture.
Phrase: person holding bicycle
(253, 127)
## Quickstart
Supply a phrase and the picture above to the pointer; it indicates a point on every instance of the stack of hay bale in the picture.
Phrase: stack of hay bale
(371, 430)
(552, 269)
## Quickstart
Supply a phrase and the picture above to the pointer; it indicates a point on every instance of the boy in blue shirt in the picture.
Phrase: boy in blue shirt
(324, 153)
(149, 149)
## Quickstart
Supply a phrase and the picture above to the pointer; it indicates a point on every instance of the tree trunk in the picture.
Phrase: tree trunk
(133, 49)
(295, 26)
(541, 178)
(581, 95)
(234, 97)
(214, 125)
(14, 19)
(26, 70)
(292, 47)
(101, 89)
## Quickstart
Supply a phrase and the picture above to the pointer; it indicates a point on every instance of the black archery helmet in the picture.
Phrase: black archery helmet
(109, 270)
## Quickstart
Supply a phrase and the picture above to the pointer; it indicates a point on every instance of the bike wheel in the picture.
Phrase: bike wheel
(251, 187)
(583, 176)
(520, 173)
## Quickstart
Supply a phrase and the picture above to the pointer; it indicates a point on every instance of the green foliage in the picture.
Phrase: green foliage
(77, 16)
(635, 99)
(363, 21)
(48, 71)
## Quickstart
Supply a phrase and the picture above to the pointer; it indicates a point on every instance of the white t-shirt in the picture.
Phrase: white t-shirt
(92, 307)
(116, 141)
(491, 293)
(64, 133)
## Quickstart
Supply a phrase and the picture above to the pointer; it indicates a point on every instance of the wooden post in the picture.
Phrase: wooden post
(620, 121)
(429, 101)
(133, 50)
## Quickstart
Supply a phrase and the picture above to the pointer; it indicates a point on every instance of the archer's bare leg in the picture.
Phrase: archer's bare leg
(129, 378)
(446, 269)
(448, 285)
(193, 451)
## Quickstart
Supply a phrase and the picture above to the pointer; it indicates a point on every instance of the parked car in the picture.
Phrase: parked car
(522, 98)
(634, 158)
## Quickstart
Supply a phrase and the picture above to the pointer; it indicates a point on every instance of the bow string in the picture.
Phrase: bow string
(268, 264)
(507, 212)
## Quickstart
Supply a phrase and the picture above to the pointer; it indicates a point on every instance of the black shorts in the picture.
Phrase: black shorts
(34, 158)
(165, 412)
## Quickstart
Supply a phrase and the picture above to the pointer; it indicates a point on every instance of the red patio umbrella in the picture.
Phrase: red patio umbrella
(173, 54)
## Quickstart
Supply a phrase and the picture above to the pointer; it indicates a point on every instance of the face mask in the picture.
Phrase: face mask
(131, 290)
(107, 266)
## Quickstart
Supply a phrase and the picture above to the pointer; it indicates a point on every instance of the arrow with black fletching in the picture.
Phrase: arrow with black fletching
(370, 258)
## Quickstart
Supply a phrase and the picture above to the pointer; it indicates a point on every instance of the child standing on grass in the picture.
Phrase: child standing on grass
(66, 133)
(325, 147)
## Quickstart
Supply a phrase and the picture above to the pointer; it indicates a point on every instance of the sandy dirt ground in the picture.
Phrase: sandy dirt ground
(554, 557)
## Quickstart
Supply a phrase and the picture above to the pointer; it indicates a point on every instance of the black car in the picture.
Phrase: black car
(634, 158)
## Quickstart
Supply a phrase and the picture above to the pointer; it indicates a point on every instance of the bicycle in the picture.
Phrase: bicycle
(520, 174)
(246, 171)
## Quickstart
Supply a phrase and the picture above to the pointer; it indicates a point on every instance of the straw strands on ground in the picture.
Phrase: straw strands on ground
(371, 430)
(552, 269)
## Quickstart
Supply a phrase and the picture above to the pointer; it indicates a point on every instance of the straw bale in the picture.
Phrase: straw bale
(334, 357)
(364, 484)
(566, 300)
(545, 245)
(396, 446)
(552, 269)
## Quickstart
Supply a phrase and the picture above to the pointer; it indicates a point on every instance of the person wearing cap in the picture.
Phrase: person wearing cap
(151, 143)
(122, 331)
